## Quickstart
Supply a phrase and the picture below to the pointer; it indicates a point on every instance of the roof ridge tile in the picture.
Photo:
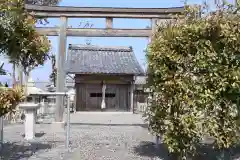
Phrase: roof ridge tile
(100, 48)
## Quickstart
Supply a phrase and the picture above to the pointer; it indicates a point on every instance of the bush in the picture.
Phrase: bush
(194, 73)
(9, 99)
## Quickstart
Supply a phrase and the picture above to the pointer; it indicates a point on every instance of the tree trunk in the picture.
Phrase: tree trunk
(54, 79)
(26, 84)
(20, 75)
(14, 74)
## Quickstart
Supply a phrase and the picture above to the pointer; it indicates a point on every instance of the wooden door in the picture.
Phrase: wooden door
(116, 97)
(81, 97)
(94, 97)
(123, 97)
(111, 97)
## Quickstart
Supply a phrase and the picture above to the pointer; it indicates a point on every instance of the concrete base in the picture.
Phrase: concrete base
(30, 118)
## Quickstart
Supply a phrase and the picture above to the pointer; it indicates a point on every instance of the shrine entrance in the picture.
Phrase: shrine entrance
(155, 15)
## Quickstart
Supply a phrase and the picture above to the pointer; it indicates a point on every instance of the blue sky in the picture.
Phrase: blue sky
(139, 44)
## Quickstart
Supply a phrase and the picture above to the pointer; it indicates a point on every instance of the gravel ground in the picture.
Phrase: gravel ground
(93, 137)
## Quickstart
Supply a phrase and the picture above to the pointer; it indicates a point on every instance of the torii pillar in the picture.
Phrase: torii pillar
(61, 75)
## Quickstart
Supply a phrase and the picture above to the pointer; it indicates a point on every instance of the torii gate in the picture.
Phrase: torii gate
(64, 12)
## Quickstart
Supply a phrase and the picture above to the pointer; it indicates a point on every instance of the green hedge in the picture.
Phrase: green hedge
(194, 73)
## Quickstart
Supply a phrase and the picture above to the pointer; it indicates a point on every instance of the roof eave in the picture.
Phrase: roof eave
(119, 74)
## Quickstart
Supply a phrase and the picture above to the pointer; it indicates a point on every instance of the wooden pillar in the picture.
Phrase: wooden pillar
(103, 104)
(153, 26)
(61, 75)
(132, 97)
(77, 97)
(109, 23)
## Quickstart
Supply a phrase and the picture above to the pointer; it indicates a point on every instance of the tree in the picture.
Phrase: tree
(2, 71)
(19, 39)
(53, 75)
(20, 42)
(194, 73)
(18, 36)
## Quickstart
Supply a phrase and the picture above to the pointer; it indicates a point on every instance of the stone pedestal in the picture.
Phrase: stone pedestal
(30, 119)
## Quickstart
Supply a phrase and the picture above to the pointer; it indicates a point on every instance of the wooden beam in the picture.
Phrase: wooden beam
(102, 12)
(109, 23)
(96, 32)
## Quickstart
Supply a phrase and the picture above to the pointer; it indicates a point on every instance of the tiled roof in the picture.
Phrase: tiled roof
(88, 59)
